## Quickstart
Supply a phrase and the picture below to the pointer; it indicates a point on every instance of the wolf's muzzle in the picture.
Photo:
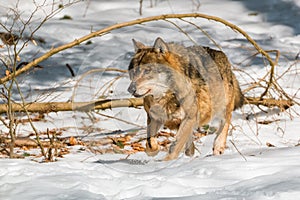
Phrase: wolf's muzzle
(132, 88)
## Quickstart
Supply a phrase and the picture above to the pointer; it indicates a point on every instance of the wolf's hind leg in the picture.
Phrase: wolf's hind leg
(190, 147)
(220, 141)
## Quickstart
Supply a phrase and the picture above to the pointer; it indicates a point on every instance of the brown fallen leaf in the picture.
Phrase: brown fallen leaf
(73, 141)
(270, 145)
(137, 147)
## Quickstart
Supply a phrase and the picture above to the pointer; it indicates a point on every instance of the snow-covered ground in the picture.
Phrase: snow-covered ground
(262, 160)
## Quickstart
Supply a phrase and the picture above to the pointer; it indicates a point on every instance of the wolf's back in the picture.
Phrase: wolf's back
(217, 62)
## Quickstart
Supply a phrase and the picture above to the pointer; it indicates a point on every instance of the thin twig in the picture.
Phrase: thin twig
(181, 30)
(238, 150)
(119, 119)
(204, 32)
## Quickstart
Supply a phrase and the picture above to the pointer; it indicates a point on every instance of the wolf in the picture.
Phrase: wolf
(183, 88)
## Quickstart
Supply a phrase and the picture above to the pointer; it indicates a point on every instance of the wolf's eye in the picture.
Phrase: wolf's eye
(146, 71)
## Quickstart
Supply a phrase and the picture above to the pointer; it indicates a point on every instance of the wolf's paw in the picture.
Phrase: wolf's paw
(171, 156)
(152, 149)
(219, 149)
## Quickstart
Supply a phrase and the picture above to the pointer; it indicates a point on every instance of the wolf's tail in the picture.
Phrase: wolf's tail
(238, 95)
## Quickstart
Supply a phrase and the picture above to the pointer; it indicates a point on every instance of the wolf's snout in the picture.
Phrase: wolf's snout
(132, 88)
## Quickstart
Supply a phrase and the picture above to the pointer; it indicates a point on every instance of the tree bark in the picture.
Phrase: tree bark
(271, 102)
(46, 107)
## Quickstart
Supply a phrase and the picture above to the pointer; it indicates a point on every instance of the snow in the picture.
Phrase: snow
(249, 169)
(267, 174)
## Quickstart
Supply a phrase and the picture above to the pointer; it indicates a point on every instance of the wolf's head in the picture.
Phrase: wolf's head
(146, 55)
(148, 70)
(150, 80)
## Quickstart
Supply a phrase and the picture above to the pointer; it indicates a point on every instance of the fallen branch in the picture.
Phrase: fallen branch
(115, 103)
(46, 107)
(281, 103)
(31, 143)
(131, 23)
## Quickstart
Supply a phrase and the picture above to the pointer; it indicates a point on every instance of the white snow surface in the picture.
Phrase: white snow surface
(249, 169)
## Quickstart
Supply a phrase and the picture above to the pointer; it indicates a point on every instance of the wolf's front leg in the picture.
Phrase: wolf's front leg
(182, 138)
(156, 119)
(152, 147)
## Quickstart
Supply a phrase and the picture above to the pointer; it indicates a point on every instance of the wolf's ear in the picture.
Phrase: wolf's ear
(161, 45)
(137, 45)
